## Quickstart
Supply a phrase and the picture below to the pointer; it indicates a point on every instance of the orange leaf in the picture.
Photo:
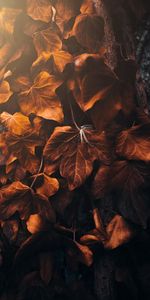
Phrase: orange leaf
(39, 10)
(5, 92)
(61, 59)
(40, 98)
(17, 124)
(47, 40)
(66, 9)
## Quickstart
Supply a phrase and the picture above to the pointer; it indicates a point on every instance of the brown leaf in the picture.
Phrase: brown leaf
(23, 147)
(61, 59)
(134, 143)
(66, 9)
(118, 232)
(46, 185)
(5, 92)
(10, 229)
(87, 7)
(75, 148)
(95, 80)
(41, 99)
(89, 31)
(47, 40)
(20, 198)
(39, 10)
(17, 124)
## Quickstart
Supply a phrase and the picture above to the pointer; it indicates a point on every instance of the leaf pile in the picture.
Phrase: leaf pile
(70, 136)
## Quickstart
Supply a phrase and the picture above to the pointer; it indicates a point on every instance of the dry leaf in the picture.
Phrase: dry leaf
(5, 92)
(41, 99)
(39, 10)
(89, 31)
(17, 124)
(75, 148)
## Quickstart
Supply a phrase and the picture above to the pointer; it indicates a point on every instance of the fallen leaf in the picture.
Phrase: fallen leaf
(46, 185)
(89, 31)
(134, 143)
(39, 10)
(47, 40)
(118, 232)
(18, 197)
(75, 148)
(41, 99)
(17, 123)
(23, 147)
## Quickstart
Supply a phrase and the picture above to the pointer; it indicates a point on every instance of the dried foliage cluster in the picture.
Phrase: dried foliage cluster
(71, 135)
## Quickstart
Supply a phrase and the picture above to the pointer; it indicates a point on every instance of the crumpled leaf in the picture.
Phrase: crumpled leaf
(17, 123)
(40, 98)
(74, 148)
(5, 91)
(89, 31)
(39, 10)
(18, 197)
(134, 143)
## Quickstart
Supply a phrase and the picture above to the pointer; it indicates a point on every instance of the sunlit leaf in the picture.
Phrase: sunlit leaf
(5, 92)
(40, 98)
(17, 124)
(39, 10)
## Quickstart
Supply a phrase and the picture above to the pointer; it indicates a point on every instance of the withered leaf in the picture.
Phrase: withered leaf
(66, 9)
(47, 40)
(17, 123)
(39, 10)
(134, 143)
(118, 232)
(5, 92)
(46, 185)
(95, 80)
(20, 198)
(61, 59)
(89, 31)
(75, 148)
(40, 98)
(23, 147)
